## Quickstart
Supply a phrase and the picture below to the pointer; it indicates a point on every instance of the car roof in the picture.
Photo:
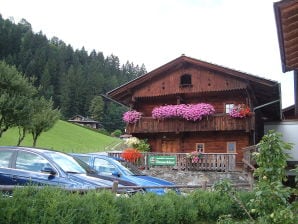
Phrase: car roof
(39, 150)
(100, 155)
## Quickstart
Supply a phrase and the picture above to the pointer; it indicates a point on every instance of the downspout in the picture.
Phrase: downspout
(114, 101)
(261, 106)
(296, 92)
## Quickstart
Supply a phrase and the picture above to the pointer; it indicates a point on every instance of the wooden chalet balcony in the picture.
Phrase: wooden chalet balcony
(208, 162)
(218, 122)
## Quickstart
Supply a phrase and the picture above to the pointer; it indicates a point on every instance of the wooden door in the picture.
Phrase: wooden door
(169, 146)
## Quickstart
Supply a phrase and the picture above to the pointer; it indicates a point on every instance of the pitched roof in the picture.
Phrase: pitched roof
(286, 16)
(82, 119)
(179, 62)
(266, 90)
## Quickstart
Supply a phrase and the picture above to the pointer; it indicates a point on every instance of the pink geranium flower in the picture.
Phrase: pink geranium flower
(191, 112)
(131, 116)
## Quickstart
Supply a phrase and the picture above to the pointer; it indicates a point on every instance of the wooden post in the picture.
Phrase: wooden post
(250, 180)
(115, 186)
(204, 185)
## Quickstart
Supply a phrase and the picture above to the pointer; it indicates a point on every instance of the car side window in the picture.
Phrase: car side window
(84, 158)
(104, 166)
(31, 162)
(5, 157)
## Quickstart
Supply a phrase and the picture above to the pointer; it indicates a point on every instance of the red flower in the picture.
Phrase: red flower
(240, 111)
(131, 154)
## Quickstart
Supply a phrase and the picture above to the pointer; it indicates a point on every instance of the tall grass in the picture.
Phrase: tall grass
(65, 137)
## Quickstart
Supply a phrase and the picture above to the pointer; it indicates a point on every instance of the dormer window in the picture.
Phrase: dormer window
(185, 80)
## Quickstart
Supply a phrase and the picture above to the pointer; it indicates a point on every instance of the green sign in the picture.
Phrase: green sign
(162, 160)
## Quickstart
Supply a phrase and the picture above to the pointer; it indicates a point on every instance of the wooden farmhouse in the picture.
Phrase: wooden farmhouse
(85, 121)
(188, 81)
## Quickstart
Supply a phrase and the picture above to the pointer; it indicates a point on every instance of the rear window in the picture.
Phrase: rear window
(5, 158)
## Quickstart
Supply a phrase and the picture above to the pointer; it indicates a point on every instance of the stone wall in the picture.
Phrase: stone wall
(198, 177)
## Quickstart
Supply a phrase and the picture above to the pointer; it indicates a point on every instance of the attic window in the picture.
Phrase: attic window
(185, 80)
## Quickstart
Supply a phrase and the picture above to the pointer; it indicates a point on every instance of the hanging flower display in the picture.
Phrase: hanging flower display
(131, 116)
(195, 156)
(240, 111)
(191, 112)
(131, 155)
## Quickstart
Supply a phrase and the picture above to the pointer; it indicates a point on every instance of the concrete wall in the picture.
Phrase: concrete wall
(289, 130)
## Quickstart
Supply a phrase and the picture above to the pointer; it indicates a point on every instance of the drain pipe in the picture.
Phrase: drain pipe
(114, 101)
(261, 106)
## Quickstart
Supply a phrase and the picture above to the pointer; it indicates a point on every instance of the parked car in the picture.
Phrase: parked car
(24, 165)
(113, 166)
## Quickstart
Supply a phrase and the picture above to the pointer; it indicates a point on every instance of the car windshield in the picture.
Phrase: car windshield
(130, 169)
(66, 162)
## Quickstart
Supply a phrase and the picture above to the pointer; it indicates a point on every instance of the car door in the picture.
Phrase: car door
(5, 167)
(28, 170)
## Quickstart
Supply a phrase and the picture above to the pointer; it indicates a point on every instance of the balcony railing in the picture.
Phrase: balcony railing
(179, 161)
(210, 123)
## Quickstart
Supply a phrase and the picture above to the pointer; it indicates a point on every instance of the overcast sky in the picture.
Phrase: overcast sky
(238, 34)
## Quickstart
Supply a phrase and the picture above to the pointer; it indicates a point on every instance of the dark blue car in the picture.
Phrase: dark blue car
(112, 166)
(24, 165)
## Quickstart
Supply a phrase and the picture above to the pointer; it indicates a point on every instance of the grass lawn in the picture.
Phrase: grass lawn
(65, 137)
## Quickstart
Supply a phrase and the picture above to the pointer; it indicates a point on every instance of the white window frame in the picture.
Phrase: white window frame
(229, 107)
(200, 147)
(228, 146)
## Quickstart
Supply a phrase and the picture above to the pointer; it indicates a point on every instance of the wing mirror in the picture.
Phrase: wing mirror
(116, 173)
(49, 170)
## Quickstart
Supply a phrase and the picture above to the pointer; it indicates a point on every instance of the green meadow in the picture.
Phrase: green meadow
(65, 137)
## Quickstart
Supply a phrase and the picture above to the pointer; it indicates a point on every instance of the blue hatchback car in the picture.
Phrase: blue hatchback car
(112, 166)
(24, 165)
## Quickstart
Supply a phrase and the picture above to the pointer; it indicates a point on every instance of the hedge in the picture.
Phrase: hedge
(52, 205)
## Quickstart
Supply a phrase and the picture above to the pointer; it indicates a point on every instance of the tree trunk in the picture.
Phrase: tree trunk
(35, 136)
(21, 136)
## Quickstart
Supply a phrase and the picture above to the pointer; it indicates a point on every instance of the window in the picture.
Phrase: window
(200, 147)
(228, 107)
(5, 157)
(66, 162)
(31, 162)
(185, 80)
(231, 147)
(104, 166)
(83, 158)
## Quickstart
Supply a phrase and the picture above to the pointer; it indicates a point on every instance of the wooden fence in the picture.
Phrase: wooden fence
(209, 161)
(248, 161)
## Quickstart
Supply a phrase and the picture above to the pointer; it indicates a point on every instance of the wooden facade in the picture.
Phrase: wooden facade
(190, 81)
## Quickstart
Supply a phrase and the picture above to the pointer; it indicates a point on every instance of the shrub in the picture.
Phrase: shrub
(116, 133)
(271, 203)
(139, 144)
(52, 205)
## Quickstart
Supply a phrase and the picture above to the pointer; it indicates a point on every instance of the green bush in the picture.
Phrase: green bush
(116, 133)
(52, 205)
(210, 205)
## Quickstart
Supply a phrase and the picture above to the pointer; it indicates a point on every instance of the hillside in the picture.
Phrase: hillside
(71, 78)
(65, 137)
